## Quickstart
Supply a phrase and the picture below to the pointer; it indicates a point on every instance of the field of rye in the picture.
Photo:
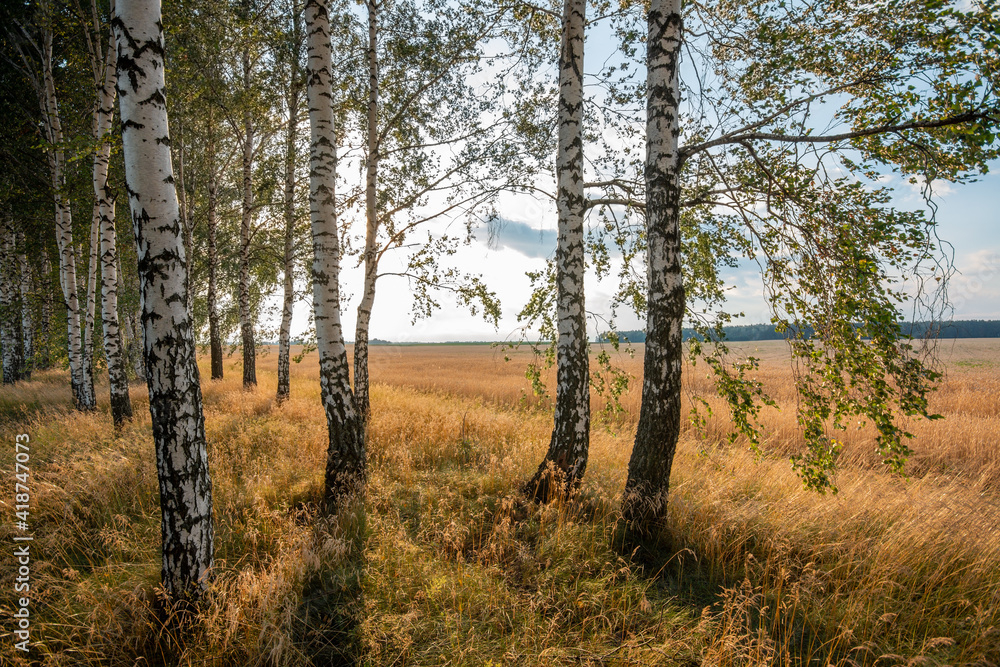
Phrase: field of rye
(448, 564)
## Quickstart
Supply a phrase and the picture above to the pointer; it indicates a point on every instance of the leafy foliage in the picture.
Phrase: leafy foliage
(793, 112)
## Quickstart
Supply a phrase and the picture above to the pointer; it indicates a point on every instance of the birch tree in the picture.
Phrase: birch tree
(175, 401)
(372, 158)
(102, 57)
(35, 52)
(249, 131)
(659, 415)
(438, 148)
(345, 464)
(202, 93)
(27, 356)
(250, 114)
(212, 226)
(753, 165)
(90, 290)
(45, 313)
(293, 102)
(8, 302)
(566, 459)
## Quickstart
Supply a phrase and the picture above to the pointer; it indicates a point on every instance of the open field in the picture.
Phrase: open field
(966, 443)
(453, 567)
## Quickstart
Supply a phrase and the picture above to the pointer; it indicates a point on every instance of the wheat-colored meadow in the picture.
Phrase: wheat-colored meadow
(449, 565)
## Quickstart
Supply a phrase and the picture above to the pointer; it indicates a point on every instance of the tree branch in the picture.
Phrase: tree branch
(830, 138)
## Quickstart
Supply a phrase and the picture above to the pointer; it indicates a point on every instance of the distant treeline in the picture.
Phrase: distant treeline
(751, 332)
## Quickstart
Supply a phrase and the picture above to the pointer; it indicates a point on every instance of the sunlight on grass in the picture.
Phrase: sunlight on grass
(447, 563)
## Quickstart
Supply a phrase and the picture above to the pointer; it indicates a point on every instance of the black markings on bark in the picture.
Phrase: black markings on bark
(156, 98)
(645, 500)
(566, 460)
(345, 466)
(175, 400)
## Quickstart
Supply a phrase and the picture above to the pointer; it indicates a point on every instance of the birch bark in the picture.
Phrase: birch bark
(187, 213)
(64, 224)
(362, 327)
(291, 137)
(566, 459)
(8, 332)
(345, 464)
(45, 314)
(175, 401)
(212, 224)
(121, 404)
(104, 79)
(93, 259)
(645, 499)
(246, 318)
(27, 356)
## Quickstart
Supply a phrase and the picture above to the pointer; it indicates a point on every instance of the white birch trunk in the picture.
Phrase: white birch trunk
(246, 318)
(214, 332)
(133, 324)
(27, 357)
(104, 78)
(187, 216)
(566, 460)
(645, 500)
(175, 401)
(291, 138)
(93, 259)
(64, 227)
(361, 331)
(121, 404)
(8, 335)
(45, 313)
(345, 464)
(95, 225)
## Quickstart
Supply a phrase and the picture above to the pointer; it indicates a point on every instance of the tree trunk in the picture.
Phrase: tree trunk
(645, 500)
(187, 215)
(121, 404)
(345, 463)
(64, 228)
(371, 231)
(88, 329)
(44, 360)
(565, 462)
(8, 331)
(171, 367)
(291, 137)
(27, 356)
(214, 333)
(246, 319)
(134, 325)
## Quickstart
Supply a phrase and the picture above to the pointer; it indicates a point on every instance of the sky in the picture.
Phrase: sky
(968, 217)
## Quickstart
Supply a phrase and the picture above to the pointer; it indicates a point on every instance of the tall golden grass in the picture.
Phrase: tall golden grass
(965, 443)
(447, 563)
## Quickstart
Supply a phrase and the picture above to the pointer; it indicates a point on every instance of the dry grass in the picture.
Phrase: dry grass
(449, 565)
(963, 444)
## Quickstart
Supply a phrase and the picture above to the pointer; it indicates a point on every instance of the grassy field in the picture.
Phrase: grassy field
(449, 565)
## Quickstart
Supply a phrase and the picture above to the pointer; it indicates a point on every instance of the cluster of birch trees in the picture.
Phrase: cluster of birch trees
(720, 130)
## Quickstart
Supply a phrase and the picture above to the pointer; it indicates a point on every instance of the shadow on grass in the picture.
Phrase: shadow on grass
(754, 614)
(327, 623)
